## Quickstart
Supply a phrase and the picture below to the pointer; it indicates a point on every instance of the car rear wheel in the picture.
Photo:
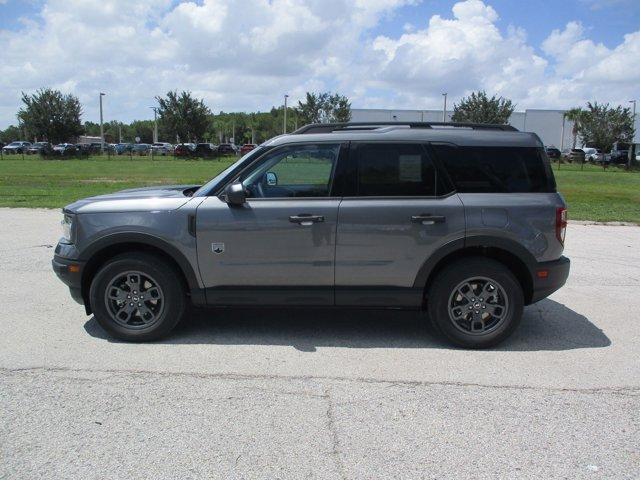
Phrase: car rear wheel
(476, 302)
(137, 297)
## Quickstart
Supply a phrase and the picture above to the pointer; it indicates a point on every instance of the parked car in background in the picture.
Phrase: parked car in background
(122, 148)
(65, 149)
(576, 155)
(552, 152)
(16, 147)
(592, 154)
(227, 149)
(83, 148)
(141, 149)
(205, 150)
(38, 148)
(162, 148)
(184, 150)
(246, 148)
(619, 154)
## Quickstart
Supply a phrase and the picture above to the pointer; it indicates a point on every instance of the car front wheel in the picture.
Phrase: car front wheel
(476, 302)
(137, 297)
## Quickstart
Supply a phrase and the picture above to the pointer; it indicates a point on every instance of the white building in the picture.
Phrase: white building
(548, 124)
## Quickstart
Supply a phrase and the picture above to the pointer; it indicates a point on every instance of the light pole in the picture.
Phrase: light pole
(562, 134)
(284, 126)
(444, 109)
(632, 149)
(155, 124)
(101, 127)
(119, 132)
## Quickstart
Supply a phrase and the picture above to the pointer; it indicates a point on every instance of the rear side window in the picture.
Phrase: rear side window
(496, 169)
(394, 170)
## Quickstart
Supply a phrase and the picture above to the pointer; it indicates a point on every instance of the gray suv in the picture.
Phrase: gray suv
(461, 220)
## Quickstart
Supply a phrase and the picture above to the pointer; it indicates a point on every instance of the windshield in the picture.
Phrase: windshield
(203, 190)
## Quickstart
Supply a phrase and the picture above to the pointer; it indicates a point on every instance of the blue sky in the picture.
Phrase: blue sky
(245, 54)
(606, 20)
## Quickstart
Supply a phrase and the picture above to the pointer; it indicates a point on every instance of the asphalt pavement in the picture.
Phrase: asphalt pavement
(269, 393)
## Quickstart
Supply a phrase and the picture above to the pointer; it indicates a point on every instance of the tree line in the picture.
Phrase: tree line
(49, 115)
(53, 116)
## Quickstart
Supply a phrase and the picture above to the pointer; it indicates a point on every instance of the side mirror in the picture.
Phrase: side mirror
(235, 194)
(272, 179)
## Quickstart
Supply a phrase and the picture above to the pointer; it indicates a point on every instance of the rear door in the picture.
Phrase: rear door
(395, 214)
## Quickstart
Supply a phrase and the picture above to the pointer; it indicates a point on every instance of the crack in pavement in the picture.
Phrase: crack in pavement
(333, 433)
(624, 391)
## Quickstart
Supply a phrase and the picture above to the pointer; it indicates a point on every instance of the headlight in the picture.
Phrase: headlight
(67, 225)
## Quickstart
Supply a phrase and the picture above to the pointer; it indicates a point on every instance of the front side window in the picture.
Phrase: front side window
(296, 171)
(394, 170)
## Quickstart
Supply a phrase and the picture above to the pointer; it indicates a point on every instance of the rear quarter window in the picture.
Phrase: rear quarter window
(497, 169)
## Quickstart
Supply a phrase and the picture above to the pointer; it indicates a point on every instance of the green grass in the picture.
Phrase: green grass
(34, 182)
(599, 195)
(592, 193)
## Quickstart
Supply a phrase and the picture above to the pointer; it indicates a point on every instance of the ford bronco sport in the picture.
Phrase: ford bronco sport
(461, 220)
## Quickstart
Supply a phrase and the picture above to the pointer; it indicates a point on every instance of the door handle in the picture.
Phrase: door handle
(306, 219)
(428, 219)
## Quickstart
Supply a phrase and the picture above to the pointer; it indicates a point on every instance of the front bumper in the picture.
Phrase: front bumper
(549, 277)
(70, 272)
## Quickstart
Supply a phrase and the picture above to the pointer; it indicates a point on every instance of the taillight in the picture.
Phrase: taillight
(561, 224)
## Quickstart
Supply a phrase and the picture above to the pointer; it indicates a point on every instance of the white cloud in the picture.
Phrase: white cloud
(244, 55)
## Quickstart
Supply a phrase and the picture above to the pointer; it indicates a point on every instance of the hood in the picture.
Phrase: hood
(162, 198)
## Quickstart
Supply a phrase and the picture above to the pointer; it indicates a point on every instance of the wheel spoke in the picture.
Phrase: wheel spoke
(133, 280)
(152, 293)
(488, 291)
(145, 313)
(116, 293)
(497, 311)
(477, 323)
(468, 296)
(125, 313)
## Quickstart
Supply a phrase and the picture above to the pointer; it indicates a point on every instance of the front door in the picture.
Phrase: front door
(279, 247)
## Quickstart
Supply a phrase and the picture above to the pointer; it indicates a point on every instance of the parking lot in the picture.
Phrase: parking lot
(329, 394)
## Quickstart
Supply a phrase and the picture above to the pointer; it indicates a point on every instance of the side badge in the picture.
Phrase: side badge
(217, 248)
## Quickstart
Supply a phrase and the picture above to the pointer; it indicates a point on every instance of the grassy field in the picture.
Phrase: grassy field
(603, 196)
(33, 182)
(592, 194)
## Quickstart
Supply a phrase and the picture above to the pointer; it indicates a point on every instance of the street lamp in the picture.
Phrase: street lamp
(101, 127)
(444, 109)
(155, 124)
(632, 149)
(284, 128)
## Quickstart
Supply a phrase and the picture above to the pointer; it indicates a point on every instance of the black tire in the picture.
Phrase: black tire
(444, 294)
(153, 270)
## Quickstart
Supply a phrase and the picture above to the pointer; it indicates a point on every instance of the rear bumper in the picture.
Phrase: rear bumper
(70, 273)
(556, 275)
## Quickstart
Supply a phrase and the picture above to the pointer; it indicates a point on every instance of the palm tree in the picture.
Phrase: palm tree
(574, 115)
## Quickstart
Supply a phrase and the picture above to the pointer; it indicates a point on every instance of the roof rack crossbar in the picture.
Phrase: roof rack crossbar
(355, 126)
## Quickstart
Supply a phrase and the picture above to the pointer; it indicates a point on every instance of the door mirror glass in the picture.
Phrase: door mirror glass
(235, 194)
(272, 179)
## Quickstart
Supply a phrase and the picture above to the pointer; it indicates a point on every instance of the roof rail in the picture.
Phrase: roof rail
(359, 126)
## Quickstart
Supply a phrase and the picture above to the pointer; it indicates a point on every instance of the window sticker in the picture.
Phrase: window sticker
(410, 168)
